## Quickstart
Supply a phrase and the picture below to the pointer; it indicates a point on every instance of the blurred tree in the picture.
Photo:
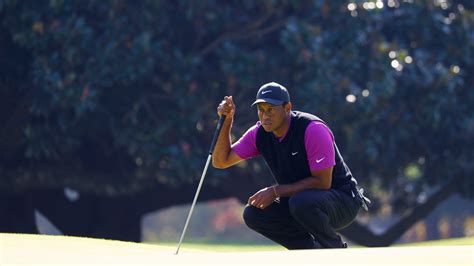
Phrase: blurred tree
(117, 100)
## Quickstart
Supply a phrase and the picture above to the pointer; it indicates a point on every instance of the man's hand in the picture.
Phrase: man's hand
(263, 198)
(226, 107)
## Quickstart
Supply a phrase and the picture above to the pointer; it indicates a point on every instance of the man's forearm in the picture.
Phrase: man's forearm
(288, 190)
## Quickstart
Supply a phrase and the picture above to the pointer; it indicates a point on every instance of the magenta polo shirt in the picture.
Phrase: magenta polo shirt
(318, 140)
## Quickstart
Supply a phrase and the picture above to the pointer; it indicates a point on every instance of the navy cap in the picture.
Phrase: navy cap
(272, 93)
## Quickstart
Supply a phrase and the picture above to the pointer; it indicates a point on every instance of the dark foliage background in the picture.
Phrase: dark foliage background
(116, 97)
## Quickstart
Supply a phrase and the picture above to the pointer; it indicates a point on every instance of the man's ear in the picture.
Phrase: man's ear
(288, 107)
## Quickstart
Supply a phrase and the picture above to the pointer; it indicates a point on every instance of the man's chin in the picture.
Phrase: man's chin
(267, 128)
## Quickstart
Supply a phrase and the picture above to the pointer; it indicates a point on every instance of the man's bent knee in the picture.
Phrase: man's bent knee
(251, 216)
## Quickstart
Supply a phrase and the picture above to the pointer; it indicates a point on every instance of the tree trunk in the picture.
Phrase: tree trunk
(363, 236)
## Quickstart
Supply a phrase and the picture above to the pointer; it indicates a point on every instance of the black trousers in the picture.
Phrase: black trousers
(308, 219)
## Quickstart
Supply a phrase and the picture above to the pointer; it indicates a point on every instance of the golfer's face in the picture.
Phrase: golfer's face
(271, 116)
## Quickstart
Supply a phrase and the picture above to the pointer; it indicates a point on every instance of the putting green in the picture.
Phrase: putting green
(54, 250)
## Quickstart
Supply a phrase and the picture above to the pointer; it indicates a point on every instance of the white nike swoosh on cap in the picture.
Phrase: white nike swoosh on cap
(320, 160)
(263, 92)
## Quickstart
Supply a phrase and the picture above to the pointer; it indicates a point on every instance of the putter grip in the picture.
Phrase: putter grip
(216, 134)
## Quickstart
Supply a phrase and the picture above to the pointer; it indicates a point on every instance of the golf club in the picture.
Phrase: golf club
(213, 144)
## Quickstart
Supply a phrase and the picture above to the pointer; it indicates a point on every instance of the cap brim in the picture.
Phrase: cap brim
(270, 101)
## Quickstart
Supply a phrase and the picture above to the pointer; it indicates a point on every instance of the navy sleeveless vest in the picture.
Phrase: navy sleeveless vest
(288, 168)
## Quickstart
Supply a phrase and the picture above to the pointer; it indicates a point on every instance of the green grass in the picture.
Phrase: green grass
(62, 250)
(242, 246)
(222, 246)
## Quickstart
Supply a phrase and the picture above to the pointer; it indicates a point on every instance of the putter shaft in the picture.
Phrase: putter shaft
(194, 202)
(213, 144)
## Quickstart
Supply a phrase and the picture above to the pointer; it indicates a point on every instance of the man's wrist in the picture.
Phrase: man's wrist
(276, 194)
(229, 119)
(274, 187)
